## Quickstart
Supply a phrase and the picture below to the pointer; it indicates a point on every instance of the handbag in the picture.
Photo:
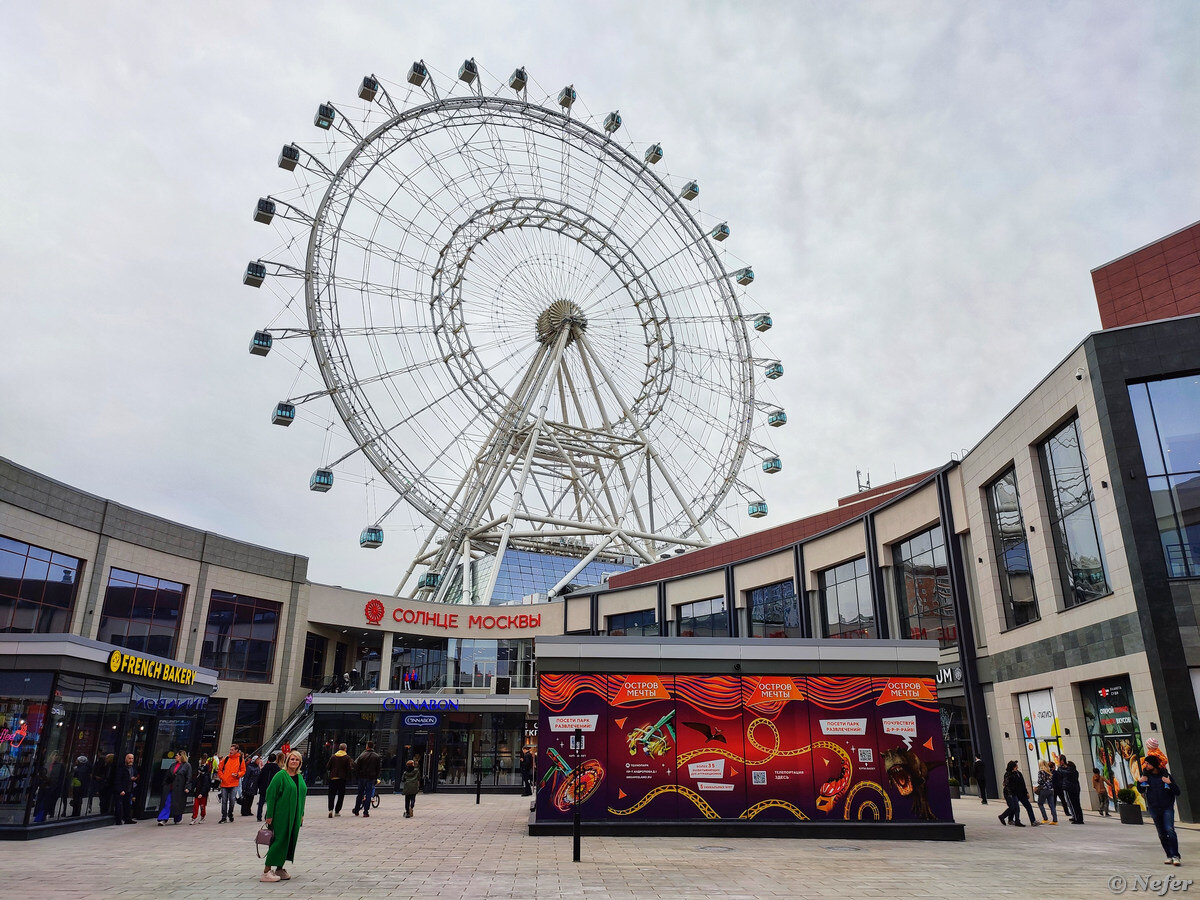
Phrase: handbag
(265, 835)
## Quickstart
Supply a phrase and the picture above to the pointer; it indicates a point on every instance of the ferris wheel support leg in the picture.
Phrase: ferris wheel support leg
(684, 503)
(556, 360)
(582, 564)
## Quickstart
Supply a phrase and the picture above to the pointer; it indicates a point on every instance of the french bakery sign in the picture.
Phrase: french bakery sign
(375, 613)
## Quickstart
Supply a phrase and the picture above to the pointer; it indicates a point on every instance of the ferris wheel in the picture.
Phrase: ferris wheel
(522, 322)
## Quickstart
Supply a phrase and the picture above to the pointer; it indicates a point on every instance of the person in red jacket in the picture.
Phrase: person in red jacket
(229, 776)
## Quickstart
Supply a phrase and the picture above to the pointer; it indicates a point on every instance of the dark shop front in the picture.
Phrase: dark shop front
(70, 710)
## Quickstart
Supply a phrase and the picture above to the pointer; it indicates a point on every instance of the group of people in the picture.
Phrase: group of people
(339, 771)
(1056, 785)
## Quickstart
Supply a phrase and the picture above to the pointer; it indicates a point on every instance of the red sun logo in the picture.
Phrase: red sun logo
(374, 611)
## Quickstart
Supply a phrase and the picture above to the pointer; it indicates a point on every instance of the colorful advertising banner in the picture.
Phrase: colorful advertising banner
(780, 748)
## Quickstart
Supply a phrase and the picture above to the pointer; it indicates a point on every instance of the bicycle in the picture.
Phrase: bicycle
(375, 796)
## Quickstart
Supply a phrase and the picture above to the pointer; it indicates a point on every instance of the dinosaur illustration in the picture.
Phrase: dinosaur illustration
(710, 733)
(909, 774)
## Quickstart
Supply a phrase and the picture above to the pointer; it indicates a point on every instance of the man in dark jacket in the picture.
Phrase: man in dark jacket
(1071, 787)
(1160, 792)
(264, 780)
(979, 773)
(123, 791)
(339, 770)
(527, 772)
(367, 766)
(1058, 783)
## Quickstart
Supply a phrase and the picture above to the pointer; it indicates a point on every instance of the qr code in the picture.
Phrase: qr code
(866, 755)
(759, 777)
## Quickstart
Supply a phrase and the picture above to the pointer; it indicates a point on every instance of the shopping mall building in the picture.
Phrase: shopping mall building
(1056, 566)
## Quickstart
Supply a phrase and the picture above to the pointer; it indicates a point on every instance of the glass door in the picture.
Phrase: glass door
(168, 737)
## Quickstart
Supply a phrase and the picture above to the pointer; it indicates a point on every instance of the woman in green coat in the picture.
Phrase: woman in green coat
(285, 814)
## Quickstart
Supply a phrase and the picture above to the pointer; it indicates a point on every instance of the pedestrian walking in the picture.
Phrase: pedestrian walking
(286, 795)
(202, 782)
(1045, 791)
(1100, 786)
(979, 773)
(339, 770)
(176, 783)
(1072, 789)
(526, 771)
(250, 785)
(264, 780)
(1058, 784)
(123, 792)
(412, 786)
(1018, 796)
(1160, 791)
(229, 779)
(366, 768)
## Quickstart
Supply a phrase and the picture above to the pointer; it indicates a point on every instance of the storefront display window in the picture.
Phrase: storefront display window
(1113, 733)
(774, 612)
(23, 710)
(141, 613)
(1040, 728)
(37, 588)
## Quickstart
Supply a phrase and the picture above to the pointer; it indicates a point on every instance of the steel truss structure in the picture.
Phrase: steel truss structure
(522, 324)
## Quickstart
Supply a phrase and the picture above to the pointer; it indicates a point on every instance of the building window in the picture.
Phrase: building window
(640, 623)
(478, 662)
(210, 732)
(923, 588)
(1073, 516)
(37, 588)
(774, 612)
(1012, 551)
(704, 618)
(1167, 414)
(239, 640)
(846, 601)
(312, 673)
(248, 725)
(141, 612)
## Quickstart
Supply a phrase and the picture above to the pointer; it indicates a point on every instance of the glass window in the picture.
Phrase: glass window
(637, 624)
(312, 674)
(1012, 551)
(846, 601)
(1166, 414)
(923, 588)
(23, 712)
(477, 662)
(141, 612)
(704, 618)
(418, 663)
(774, 612)
(239, 639)
(37, 588)
(248, 725)
(1073, 516)
(77, 743)
(210, 731)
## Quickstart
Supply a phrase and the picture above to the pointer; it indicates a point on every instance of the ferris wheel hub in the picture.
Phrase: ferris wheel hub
(559, 316)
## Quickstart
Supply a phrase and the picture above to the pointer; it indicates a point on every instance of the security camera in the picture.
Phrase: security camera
(1079, 373)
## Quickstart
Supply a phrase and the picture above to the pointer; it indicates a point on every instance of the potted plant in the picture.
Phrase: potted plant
(1127, 806)
(955, 790)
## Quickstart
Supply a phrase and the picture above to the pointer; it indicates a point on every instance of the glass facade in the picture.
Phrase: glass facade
(1167, 413)
(312, 673)
(418, 663)
(239, 640)
(848, 611)
(23, 714)
(704, 618)
(248, 724)
(476, 663)
(923, 588)
(141, 613)
(643, 623)
(1012, 551)
(1076, 530)
(774, 612)
(526, 576)
(37, 588)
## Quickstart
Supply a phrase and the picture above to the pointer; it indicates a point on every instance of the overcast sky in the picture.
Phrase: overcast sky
(922, 189)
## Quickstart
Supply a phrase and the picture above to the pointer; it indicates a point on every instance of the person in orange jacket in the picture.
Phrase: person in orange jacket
(229, 776)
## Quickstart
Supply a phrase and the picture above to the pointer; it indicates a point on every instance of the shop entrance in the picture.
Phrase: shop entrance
(153, 741)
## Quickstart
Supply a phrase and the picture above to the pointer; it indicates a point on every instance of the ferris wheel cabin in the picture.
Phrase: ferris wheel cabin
(774, 370)
(264, 211)
(762, 323)
(429, 580)
(324, 117)
(518, 79)
(772, 465)
(260, 344)
(288, 157)
(653, 153)
(321, 480)
(417, 73)
(777, 418)
(757, 510)
(744, 276)
(720, 232)
(567, 97)
(371, 537)
(255, 273)
(368, 89)
(468, 71)
(690, 191)
(612, 122)
(285, 414)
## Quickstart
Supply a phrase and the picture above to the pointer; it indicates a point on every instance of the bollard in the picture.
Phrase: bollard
(478, 785)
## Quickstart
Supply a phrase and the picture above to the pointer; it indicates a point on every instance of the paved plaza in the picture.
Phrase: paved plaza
(453, 848)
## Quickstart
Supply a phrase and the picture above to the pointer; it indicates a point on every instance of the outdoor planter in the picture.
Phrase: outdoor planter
(1130, 812)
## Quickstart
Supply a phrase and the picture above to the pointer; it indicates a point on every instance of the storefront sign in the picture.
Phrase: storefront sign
(150, 700)
(399, 704)
(950, 675)
(130, 664)
(425, 721)
(374, 613)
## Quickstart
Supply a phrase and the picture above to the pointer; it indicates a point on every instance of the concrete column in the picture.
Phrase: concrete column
(385, 663)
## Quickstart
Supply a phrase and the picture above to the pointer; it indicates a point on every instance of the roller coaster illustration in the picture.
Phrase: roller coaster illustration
(572, 784)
